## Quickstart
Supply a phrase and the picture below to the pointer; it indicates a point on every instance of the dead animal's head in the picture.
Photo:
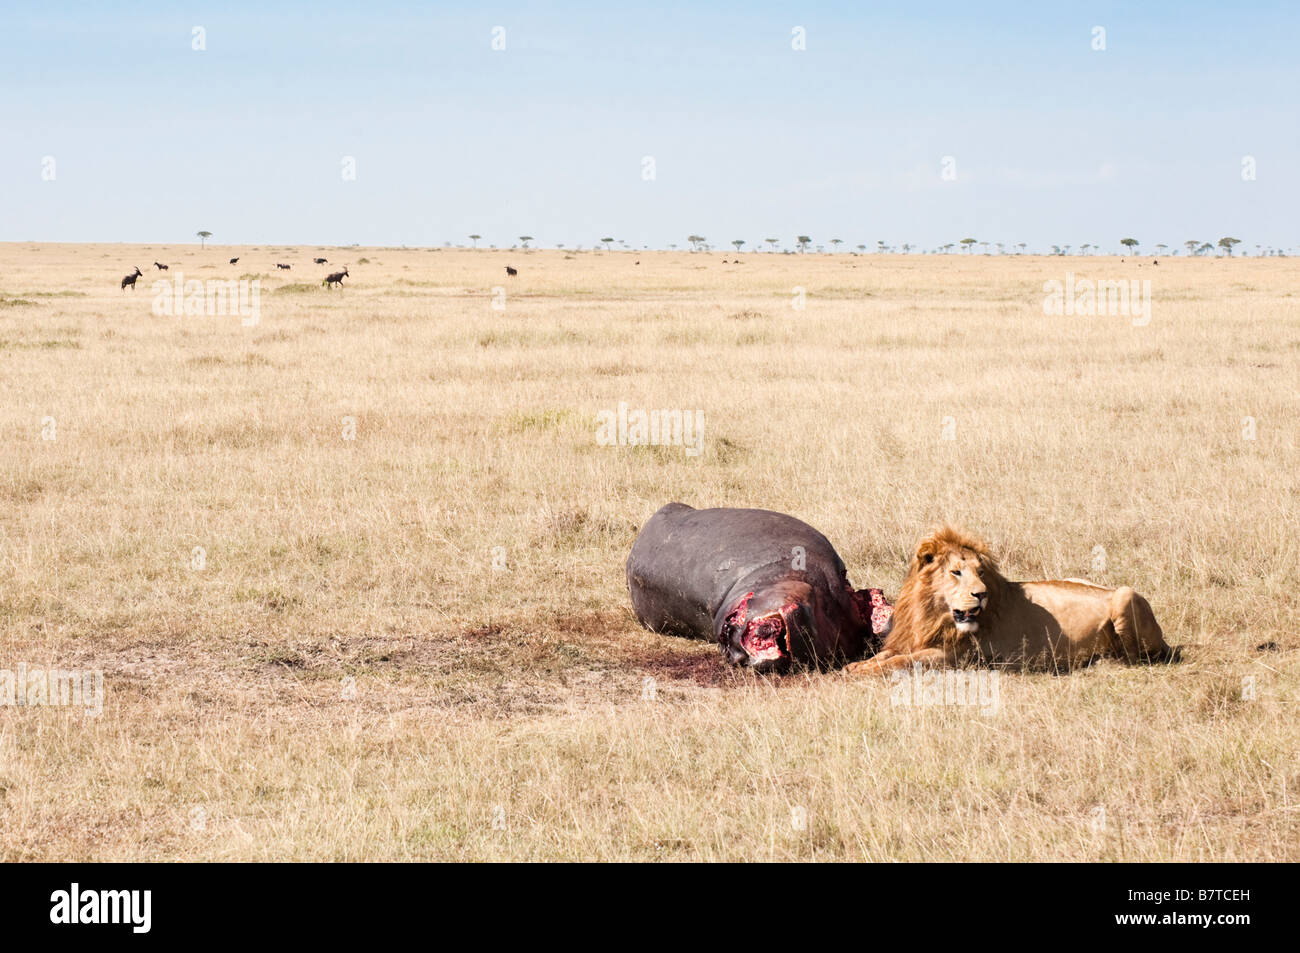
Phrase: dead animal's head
(757, 637)
(773, 630)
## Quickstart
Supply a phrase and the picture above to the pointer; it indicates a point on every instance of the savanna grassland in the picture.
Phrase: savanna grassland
(354, 574)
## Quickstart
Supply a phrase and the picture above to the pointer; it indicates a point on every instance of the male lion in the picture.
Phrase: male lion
(955, 608)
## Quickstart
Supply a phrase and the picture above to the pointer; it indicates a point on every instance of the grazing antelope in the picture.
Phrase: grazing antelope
(320, 261)
(233, 260)
(336, 278)
(511, 271)
(160, 266)
(130, 279)
(283, 267)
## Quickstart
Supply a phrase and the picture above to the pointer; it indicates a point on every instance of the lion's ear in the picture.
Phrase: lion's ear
(925, 553)
(988, 564)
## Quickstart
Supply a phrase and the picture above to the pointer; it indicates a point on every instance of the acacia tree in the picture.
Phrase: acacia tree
(1129, 243)
(1227, 243)
(772, 242)
(1191, 246)
(738, 242)
(837, 242)
(203, 238)
(696, 241)
(474, 239)
(525, 239)
(967, 243)
(803, 241)
(606, 242)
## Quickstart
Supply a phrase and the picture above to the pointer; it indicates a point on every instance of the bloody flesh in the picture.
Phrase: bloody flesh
(763, 637)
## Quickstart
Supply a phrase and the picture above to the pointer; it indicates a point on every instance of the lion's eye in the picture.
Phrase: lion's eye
(956, 572)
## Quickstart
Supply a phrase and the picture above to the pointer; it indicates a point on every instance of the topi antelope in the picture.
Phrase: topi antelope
(130, 279)
(511, 271)
(336, 278)
(320, 261)
(160, 266)
(233, 260)
(283, 267)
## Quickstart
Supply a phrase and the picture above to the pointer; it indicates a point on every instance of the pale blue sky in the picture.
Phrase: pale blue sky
(1054, 143)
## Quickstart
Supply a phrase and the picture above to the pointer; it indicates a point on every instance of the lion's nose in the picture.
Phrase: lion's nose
(979, 595)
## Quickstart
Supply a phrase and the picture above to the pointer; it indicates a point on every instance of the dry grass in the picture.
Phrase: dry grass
(348, 676)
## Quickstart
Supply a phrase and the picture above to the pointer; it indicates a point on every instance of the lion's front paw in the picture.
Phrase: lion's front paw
(865, 667)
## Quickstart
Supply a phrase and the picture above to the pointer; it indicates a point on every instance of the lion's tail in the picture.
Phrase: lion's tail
(1138, 633)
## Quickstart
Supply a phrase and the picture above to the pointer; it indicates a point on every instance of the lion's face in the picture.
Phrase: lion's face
(958, 581)
(962, 589)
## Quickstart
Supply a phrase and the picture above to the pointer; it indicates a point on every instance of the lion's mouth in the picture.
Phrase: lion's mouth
(966, 617)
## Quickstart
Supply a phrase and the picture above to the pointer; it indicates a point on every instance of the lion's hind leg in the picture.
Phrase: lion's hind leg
(1136, 629)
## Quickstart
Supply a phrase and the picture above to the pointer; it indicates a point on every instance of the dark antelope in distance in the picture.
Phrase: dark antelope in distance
(283, 267)
(511, 271)
(233, 260)
(160, 266)
(336, 278)
(320, 261)
(130, 279)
